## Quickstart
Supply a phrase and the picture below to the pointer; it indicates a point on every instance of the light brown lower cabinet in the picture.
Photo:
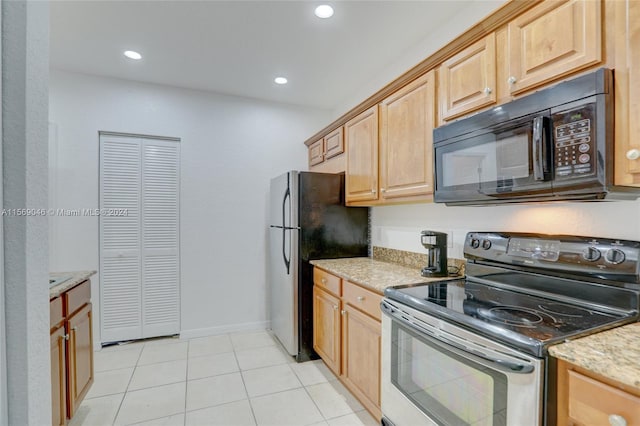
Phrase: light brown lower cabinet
(346, 335)
(71, 351)
(587, 399)
(326, 327)
(58, 377)
(361, 357)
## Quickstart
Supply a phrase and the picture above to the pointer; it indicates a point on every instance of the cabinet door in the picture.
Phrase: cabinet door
(316, 153)
(552, 40)
(361, 356)
(406, 140)
(333, 143)
(468, 79)
(58, 378)
(627, 93)
(326, 328)
(80, 356)
(361, 137)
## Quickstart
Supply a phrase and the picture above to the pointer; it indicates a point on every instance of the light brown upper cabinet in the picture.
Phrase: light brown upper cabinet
(406, 140)
(361, 138)
(627, 93)
(552, 40)
(333, 143)
(468, 79)
(316, 153)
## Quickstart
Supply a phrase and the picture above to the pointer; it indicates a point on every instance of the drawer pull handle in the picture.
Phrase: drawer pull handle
(616, 420)
(633, 154)
(360, 298)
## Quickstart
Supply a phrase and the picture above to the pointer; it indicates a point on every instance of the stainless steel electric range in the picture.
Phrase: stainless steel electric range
(474, 351)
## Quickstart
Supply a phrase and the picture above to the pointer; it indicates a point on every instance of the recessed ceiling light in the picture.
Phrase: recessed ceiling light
(324, 11)
(280, 80)
(132, 54)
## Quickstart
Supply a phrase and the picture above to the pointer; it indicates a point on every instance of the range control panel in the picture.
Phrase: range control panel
(586, 255)
(574, 138)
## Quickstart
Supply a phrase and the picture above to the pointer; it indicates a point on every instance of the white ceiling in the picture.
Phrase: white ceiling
(238, 47)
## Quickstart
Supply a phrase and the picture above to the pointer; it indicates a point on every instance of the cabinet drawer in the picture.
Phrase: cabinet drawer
(56, 314)
(592, 402)
(77, 297)
(363, 299)
(327, 281)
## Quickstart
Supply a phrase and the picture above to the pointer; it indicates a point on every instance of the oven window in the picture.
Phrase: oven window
(448, 388)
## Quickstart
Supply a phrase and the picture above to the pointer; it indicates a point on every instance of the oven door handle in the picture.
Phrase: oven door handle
(457, 348)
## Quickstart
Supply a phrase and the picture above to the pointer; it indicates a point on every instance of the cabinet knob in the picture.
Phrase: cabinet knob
(616, 420)
(66, 337)
(382, 190)
(512, 80)
(487, 90)
(335, 307)
(360, 298)
(633, 154)
(75, 329)
(342, 312)
(373, 191)
(324, 281)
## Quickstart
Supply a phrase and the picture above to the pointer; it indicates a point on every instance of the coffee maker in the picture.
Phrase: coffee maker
(436, 245)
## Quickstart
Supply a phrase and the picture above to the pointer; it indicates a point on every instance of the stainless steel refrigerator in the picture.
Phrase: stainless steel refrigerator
(308, 220)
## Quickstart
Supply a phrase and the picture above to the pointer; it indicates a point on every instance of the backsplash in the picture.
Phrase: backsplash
(412, 259)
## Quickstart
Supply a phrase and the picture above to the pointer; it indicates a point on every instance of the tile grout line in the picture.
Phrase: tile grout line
(186, 384)
(128, 384)
(235, 355)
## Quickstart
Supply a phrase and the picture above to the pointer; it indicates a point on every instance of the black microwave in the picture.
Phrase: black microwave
(555, 144)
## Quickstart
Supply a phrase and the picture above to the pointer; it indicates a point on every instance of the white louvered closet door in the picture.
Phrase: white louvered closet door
(160, 233)
(139, 256)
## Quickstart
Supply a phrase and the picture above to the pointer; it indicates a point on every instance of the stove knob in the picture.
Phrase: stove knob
(475, 243)
(591, 254)
(486, 244)
(615, 256)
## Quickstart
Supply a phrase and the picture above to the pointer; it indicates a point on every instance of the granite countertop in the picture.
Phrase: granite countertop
(613, 353)
(374, 274)
(76, 278)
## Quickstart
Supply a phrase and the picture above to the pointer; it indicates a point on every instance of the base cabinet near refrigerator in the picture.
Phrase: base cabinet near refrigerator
(346, 335)
(71, 351)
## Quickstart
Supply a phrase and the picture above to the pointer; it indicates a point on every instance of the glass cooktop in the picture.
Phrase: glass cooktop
(513, 317)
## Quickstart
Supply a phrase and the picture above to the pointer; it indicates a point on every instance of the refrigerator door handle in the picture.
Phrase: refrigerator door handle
(287, 262)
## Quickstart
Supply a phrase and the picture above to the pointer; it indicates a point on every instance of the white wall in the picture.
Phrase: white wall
(399, 226)
(231, 147)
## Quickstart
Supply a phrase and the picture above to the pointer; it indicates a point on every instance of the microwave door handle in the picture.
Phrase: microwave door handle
(541, 150)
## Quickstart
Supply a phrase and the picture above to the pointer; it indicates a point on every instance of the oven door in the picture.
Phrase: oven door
(437, 373)
(500, 163)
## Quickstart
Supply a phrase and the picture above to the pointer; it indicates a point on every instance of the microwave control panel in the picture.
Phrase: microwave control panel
(575, 144)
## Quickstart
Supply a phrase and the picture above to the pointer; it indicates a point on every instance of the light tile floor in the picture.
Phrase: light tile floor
(232, 379)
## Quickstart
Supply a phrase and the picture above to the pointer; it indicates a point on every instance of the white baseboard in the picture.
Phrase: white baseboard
(223, 329)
